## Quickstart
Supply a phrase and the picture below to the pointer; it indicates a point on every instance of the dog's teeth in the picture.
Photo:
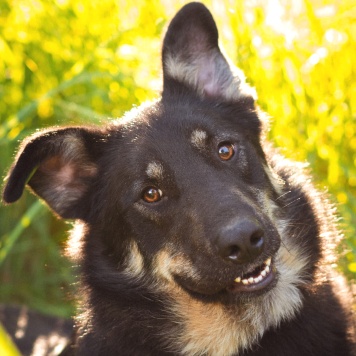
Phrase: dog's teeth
(259, 278)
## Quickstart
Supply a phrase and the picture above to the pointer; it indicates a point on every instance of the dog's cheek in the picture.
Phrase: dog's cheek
(168, 263)
(134, 261)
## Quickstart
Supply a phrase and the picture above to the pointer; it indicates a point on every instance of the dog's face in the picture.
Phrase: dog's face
(178, 194)
(193, 191)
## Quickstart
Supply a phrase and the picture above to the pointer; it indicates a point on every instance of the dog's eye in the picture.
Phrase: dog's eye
(152, 195)
(226, 150)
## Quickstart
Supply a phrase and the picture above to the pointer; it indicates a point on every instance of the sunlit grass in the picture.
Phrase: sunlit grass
(69, 62)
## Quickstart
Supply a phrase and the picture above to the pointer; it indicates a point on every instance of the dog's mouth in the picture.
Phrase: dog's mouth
(252, 282)
(258, 279)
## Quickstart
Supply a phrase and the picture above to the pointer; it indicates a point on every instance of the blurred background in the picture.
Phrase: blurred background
(86, 61)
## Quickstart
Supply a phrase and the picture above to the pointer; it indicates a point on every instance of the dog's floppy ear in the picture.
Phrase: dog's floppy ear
(191, 55)
(59, 165)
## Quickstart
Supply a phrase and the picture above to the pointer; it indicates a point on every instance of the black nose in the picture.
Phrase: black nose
(241, 242)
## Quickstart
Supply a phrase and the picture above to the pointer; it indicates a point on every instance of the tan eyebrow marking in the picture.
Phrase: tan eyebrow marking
(155, 170)
(198, 138)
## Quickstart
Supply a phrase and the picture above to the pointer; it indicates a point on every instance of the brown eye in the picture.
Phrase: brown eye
(226, 151)
(152, 195)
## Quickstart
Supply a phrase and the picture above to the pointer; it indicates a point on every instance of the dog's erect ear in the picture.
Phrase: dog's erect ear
(59, 165)
(191, 55)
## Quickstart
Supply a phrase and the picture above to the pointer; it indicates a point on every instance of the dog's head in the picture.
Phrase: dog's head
(179, 191)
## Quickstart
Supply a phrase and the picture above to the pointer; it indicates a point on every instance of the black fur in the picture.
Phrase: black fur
(156, 277)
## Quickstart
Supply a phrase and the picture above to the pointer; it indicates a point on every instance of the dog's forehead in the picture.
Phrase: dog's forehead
(196, 139)
(156, 124)
(157, 137)
(187, 122)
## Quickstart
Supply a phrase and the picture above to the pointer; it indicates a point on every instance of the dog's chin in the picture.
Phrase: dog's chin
(254, 284)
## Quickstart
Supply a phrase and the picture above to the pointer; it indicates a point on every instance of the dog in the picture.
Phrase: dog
(194, 236)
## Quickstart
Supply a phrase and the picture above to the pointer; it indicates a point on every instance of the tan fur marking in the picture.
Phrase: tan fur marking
(75, 242)
(208, 328)
(167, 263)
(201, 328)
(155, 170)
(198, 139)
(275, 180)
(134, 261)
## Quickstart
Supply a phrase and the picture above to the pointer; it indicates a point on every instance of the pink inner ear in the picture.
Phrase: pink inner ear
(62, 180)
(66, 172)
(210, 87)
(207, 77)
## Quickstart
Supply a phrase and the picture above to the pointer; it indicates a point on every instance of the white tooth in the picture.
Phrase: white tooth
(267, 269)
(245, 281)
(259, 279)
(238, 280)
(263, 273)
(250, 280)
(268, 261)
(256, 280)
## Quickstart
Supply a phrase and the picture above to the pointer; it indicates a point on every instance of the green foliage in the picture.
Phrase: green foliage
(65, 62)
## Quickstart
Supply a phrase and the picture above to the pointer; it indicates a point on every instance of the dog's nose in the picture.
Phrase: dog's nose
(241, 242)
